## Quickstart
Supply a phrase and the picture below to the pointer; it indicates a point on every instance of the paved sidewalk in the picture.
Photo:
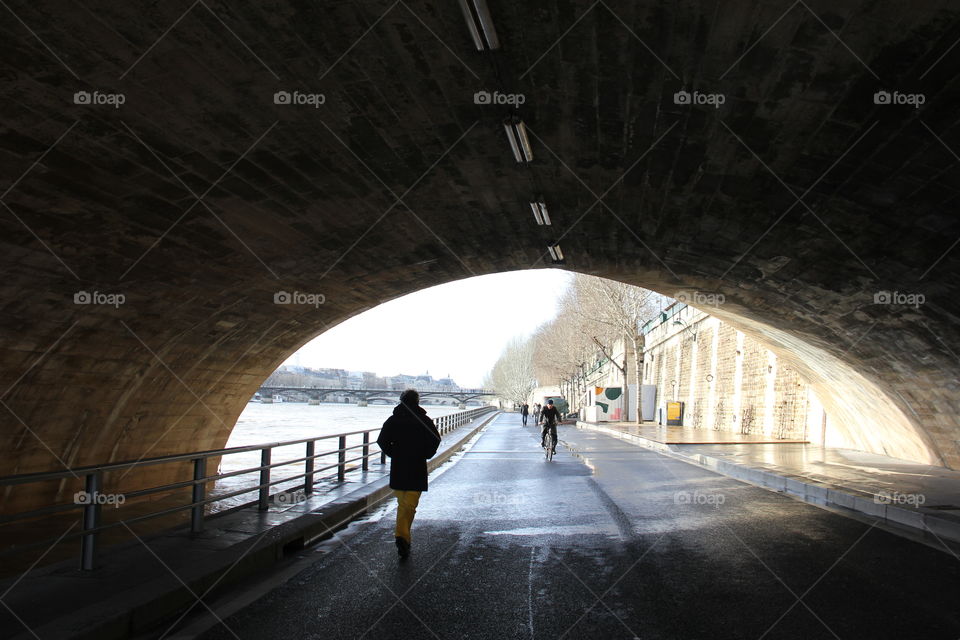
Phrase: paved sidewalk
(685, 435)
(923, 498)
(609, 540)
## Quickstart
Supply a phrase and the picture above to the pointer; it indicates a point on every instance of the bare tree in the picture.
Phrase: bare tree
(616, 312)
(513, 376)
(594, 314)
(563, 347)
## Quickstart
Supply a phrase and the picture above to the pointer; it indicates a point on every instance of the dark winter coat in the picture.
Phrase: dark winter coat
(550, 414)
(410, 438)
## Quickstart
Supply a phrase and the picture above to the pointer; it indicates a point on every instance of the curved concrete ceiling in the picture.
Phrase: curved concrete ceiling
(799, 198)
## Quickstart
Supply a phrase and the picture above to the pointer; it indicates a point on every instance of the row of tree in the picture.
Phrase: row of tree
(594, 315)
(513, 376)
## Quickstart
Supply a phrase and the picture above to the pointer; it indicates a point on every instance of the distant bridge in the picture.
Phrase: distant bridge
(363, 396)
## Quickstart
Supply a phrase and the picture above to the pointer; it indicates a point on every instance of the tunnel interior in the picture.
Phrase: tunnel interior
(148, 243)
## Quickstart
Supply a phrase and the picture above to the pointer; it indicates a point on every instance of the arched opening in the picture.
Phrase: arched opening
(863, 416)
(416, 192)
(170, 400)
(194, 193)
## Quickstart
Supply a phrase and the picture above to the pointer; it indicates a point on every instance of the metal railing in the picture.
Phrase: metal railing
(92, 478)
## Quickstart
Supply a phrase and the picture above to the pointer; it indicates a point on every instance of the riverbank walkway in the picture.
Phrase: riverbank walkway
(609, 540)
(154, 575)
(916, 499)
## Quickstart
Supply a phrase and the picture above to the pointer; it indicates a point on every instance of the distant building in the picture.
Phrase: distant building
(447, 384)
(725, 380)
(327, 378)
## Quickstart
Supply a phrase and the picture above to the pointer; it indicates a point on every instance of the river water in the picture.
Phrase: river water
(294, 420)
(266, 423)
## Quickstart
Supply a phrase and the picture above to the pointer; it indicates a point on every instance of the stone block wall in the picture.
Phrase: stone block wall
(729, 381)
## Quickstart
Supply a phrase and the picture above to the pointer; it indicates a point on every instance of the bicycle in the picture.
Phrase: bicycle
(550, 444)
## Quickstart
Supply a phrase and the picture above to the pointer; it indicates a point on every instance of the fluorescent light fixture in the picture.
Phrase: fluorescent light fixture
(519, 142)
(480, 24)
(555, 253)
(540, 212)
(514, 145)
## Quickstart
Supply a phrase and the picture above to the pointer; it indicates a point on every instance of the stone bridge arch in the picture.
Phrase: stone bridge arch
(236, 228)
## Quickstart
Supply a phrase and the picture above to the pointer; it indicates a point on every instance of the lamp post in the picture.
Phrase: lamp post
(686, 327)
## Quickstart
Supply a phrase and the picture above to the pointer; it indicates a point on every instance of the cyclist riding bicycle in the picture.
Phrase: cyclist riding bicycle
(549, 417)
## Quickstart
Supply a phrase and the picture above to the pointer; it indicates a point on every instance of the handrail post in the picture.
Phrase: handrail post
(366, 450)
(342, 459)
(264, 479)
(308, 472)
(198, 494)
(91, 519)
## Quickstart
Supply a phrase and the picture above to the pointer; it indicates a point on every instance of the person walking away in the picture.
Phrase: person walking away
(524, 412)
(549, 418)
(410, 438)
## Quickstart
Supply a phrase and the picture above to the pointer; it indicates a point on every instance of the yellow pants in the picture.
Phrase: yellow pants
(407, 502)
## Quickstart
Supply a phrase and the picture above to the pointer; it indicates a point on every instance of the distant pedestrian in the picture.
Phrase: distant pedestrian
(524, 412)
(409, 438)
(536, 413)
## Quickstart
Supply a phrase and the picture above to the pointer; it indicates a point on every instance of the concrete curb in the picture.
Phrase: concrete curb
(924, 521)
(149, 605)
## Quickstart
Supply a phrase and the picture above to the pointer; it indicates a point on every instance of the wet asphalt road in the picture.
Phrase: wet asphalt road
(608, 541)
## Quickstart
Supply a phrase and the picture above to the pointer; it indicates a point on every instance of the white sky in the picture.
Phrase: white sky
(475, 318)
